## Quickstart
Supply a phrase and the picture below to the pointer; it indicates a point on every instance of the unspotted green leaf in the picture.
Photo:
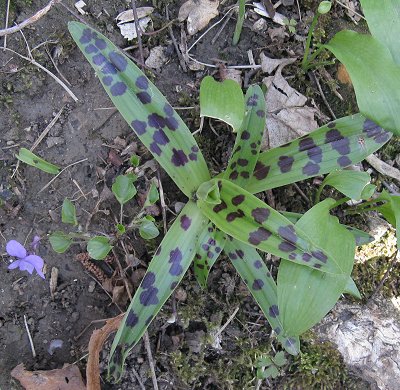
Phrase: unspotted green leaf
(60, 241)
(148, 230)
(68, 212)
(98, 247)
(32, 159)
(123, 189)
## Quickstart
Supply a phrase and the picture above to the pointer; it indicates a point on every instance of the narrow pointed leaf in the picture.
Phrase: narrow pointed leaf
(252, 269)
(351, 288)
(165, 271)
(208, 249)
(349, 183)
(248, 219)
(391, 212)
(336, 145)
(145, 109)
(306, 295)
(32, 159)
(383, 18)
(374, 74)
(222, 100)
(248, 140)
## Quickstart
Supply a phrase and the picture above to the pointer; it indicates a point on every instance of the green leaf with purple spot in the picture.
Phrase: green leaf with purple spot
(208, 249)
(374, 74)
(145, 109)
(165, 271)
(252, 269)
(248, 219)
(304, 295)
(248, 140)
(336, 145)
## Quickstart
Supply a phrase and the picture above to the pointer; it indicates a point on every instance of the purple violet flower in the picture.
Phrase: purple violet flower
(25, 261)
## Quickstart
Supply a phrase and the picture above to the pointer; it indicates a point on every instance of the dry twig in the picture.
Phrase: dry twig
(29, 337)
(151, 361)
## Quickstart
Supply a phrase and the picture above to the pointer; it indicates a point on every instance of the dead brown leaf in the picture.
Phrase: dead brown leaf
(198, 14)
(66, 378)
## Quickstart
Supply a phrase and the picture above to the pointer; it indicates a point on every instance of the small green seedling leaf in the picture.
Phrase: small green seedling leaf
(349, 183)
(222, 100)
(68, 212)
(324, 7)
(248, 219)
(120, 228)
(32, 159)
(306, 295)
(152, 195)
(383, 18)
(145, 109)
(253, 271)
(98, 247)
(209, 247)
(280, 359)
(134, 160)
(148, 230)
(165, 271)
(123, 189)
(60, 241)
(351, 288)
(248, 140)
(377, 91)
(336, 145)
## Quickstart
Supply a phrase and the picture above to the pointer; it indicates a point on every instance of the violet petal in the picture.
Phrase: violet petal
(14, 248)
(37, 262)
(26, 266)
(14, 264)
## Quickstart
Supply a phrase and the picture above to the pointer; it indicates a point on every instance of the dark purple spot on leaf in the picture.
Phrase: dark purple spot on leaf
(160, 137)
(156, 121)
(315, 154)
(144, 97)
(245, 135)
(179, 158)
(211, 241)
(142, 82)
(220, 207)
(288, 233)
(287, 246)
(285, 163)
(235, 214)
(132, 319)
(311, 169)
(185, 222)
(194, 149)
(238, 149)
(343, 161)
(155, 149)
(217, 249)
(240, 253)
(236, 200)
(205, 247)
(317, 266)
(107, 80)
(118, 88)
(242, 162)
(118, 60)
(258, 284)
(99, 59)
(210, 255)
(89, 49)
(148, 280)
(100, 43)
(260, 171)
(171, 123)
(149, 297)
(252, 100)
(173, 285)
(253, 145)
(257, 264)
(200, 266)
(260, 214)
(292, 256)
(234, 175)
(320, 256)
(306, 257)
(232, 256)
(139, 127)
(278, 330)
(245, 174)
(331, 125)
(260, 113)
(193, 156)
(306, 144)
(109, 68)
(86, 36)
(169, 111)
(273, 311)
(175, 269)
(259, 235)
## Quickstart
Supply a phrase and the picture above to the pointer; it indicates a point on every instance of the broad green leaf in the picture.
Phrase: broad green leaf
(391, 212)
(145, 109)
(208, 248)
(60, 241)
(222, 100)
(152, 195)
(248, 219)
(165, 271)
(68, 212)
(248, 140)
(383, 18)
(98, 247)
(32, 159)
(349, 183)
(304, 295)
(252, 269)
(374, 74)
(148, 230)
(352, 289)
(123, 189)
(336, 145)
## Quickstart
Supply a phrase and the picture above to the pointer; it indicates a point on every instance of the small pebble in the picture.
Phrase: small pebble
(92, 286)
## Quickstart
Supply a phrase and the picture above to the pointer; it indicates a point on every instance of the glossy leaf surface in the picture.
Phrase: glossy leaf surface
(252, 269)
(222, 100)
(306, 295)
(248, 219)
(145, 109)
(165, 271)
(336, 145)
(374, 74)
(248, 140)
(208, 248)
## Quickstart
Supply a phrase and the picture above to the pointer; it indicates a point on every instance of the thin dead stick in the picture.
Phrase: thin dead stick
(138, 32)
(29, 337)
(321, 92)
(6, 25)
(56, 67)
(383, 168)
(302, 194)
(27, 22)
(354, 12)
(33, 62)
(229, 320)
(178, 52)
(150, 358)
(58, 174)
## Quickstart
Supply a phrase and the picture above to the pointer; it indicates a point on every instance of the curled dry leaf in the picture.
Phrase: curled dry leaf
(277, 17)
(268, 64)
(126, 21)
(198, 14)
(97, 339)
(66, 378)
(288, 117)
